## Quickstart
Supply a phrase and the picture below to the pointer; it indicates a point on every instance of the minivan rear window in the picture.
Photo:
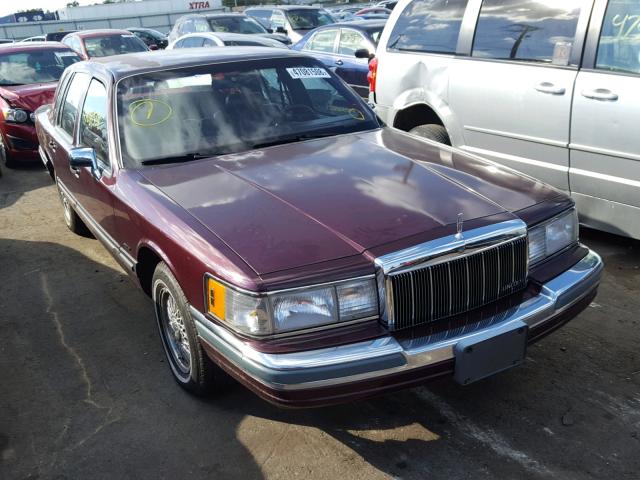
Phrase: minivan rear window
(529, 30)
(619, 46)
(428, 26)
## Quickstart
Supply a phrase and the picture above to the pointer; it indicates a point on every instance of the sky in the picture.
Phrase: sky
(8, 7)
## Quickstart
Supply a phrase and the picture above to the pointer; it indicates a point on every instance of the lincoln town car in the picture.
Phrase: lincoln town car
(290, 239)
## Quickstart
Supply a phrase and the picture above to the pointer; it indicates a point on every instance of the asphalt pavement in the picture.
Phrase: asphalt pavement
(85, 391)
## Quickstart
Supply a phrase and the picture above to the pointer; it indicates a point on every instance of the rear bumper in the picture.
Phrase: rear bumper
(358, 370)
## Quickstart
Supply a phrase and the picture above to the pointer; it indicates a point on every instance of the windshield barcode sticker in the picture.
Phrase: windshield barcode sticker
(308, 72)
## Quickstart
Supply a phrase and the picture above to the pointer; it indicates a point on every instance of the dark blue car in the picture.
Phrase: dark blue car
(335, 45)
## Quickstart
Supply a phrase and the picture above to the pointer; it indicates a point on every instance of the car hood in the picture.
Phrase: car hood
(298, 204)
(29, 97)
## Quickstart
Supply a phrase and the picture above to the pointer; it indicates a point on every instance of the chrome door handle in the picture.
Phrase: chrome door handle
(548, 87)
(339, 62)
(52, 145)
(600, 94)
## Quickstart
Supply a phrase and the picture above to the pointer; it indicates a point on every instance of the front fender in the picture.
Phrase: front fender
(422, 96)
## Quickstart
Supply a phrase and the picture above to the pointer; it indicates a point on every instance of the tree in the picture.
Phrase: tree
(73, 4)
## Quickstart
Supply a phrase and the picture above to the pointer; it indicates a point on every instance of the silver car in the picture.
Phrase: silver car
(550, 88)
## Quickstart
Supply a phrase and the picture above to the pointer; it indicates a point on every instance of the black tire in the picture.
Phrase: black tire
(71, 218)
(200, 375)
(432, 131)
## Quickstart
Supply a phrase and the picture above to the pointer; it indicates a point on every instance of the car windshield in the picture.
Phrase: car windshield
(155, 34)
(189, 113)
(308, 18)
(236, 25)
(113, 45)
(35, 66)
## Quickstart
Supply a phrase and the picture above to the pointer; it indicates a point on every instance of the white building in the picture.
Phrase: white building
(137, 8)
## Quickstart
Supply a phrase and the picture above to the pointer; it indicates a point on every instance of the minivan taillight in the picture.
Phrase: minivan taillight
(371, 76)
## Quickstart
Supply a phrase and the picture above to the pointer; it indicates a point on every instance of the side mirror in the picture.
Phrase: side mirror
(281, 30)
(84, 157)
(364, 53)
(153, 47)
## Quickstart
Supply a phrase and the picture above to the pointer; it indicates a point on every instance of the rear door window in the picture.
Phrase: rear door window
(428, 26)
(72, 101)
(350, 41)
(323, 41)
(619, 46)
(192, 42)
(528, 30)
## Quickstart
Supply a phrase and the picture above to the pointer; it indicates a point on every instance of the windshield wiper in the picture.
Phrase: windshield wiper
(187, 157)
(292, 139)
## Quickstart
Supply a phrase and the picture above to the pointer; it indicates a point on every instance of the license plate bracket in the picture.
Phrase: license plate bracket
(490, 353)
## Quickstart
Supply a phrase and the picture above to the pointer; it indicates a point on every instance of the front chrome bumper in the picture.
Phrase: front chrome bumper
(386, 356)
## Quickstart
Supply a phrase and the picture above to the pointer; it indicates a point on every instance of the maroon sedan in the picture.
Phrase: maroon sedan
(29, 75)
(291, 240)
(103, 43)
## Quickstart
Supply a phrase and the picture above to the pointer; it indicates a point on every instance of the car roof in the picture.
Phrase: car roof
(286, 7)
(229, 36)
(362, 25)
(99, 32)
(28, 46)
(119, 66)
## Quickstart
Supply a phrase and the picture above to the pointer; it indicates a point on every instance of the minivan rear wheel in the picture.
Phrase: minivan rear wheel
(432, 131)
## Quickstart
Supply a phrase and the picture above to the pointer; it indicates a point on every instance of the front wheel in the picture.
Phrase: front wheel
(190, 366)
(432, 131)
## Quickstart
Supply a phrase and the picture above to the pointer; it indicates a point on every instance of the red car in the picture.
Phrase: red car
(29, 75)
(289, 238)
(103, 43)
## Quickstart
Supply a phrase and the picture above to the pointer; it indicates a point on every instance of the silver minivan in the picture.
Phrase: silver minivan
(548, 87)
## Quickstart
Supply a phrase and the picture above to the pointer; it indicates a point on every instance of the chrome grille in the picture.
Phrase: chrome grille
(438, 291)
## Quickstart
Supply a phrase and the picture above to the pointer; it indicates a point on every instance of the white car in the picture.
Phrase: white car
(223, 39)
(37, 38)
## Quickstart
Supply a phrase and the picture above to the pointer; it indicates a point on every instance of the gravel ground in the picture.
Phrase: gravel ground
(86, 393)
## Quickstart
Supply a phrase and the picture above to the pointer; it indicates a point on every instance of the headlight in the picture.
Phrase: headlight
(297, 309)
(15, 115)
(553, 236)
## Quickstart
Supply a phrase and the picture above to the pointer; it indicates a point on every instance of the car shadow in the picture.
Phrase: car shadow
(86, 390)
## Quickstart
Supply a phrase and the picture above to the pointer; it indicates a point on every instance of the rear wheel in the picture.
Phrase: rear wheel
(71, 218)
(190, 366)
(432, 131)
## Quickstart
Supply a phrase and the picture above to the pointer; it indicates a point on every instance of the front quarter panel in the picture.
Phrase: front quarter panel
(145, 217)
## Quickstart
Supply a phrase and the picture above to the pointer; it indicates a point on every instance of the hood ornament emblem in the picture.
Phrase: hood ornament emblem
(459, 226)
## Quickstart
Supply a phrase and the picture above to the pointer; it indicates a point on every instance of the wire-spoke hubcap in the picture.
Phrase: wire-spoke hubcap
(174, 330)
(67, 209)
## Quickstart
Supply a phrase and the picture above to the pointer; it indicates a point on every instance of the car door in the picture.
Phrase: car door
(62, 136)
(351, 69)
(95, 187)
(82, 123)
(322, 45)
(605, 146)
(512, 95)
